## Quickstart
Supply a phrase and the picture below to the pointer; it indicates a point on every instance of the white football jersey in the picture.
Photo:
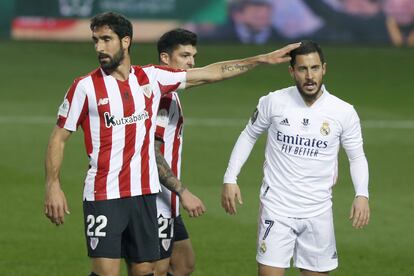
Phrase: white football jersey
(170, 122)
(118, 120)
(301, 153)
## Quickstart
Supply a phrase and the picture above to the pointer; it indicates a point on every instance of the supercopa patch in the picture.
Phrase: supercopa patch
(64, 108)
(254, 116)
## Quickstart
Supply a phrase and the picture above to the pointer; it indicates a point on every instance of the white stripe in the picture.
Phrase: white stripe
(217, 122)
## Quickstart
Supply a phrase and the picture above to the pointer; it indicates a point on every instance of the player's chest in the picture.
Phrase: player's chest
(306, 124)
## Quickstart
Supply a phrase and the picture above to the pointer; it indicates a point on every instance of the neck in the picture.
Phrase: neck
(311, 99)
(122, 71)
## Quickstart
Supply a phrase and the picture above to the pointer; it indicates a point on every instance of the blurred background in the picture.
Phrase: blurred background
(246, 21)
(46, 44)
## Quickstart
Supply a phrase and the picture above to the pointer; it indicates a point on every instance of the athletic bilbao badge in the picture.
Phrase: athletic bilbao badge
(94, 242)
(325, 130)
(147, 90)
(166, 244)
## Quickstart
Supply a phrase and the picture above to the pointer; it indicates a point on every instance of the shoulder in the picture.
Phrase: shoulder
(279, 96)
(339, 105)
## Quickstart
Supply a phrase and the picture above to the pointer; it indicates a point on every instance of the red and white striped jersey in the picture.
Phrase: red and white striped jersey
(118, 119)
(170, 129)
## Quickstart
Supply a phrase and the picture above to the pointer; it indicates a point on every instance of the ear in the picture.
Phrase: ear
(291, 71)
(126, 41)
(165, 58)
(324, 68)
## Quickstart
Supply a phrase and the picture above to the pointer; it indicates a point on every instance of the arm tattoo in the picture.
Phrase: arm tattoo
(236, 68)
(165, 174)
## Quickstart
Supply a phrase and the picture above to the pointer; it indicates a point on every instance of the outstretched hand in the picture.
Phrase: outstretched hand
(281, 55)
(360, 212)
(229, 194)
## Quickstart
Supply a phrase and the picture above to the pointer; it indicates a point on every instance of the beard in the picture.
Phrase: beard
(113, 63)
(306, 95)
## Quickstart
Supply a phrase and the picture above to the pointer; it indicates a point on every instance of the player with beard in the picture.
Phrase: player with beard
(305, 126)
(116, 106)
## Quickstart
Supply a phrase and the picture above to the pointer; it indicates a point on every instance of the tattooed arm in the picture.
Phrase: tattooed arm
(228, 69)
(192, 204)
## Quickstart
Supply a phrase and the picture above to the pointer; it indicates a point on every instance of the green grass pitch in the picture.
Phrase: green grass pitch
(377, 80)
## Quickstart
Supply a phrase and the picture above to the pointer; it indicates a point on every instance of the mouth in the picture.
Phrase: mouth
(310, 85)
(103, 58)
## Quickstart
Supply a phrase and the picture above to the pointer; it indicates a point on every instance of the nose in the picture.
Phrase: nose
(191, 62)
(309, 74)
(99, 46)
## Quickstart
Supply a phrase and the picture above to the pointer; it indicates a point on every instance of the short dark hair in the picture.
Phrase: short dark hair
(116, 22)
(169, 41)
(306, 47)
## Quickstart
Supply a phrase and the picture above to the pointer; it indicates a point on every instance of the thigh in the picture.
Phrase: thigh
(316, 248)
(265, 270)
(183, 257)
(105, 266)
(275, 242)
(104, 223)
(140, 239)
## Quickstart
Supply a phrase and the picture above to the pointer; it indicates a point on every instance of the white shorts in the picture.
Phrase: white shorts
(310, 241)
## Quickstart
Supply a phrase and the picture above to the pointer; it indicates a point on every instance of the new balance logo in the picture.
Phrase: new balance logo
(285, 122)
(103, 101)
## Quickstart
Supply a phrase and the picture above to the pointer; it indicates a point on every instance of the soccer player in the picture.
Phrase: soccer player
(116, 106)
(176, 49)
(305, 126)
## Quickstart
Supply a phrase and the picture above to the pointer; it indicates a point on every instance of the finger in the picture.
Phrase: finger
(239, 198)
(232, 205)
(66, 208)
(291, 47)
(357, 220)
(351, 213)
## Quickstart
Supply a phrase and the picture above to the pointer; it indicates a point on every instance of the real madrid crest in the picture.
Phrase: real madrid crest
(263, 247)
(325, 130)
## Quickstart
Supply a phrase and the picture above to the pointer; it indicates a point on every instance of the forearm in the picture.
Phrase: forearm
(54, 156)
(221, 71)
(165, 174)
(359, 171)
(239, 156)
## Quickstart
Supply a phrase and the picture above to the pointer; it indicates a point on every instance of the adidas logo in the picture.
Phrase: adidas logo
(334, 256)
(285, 122)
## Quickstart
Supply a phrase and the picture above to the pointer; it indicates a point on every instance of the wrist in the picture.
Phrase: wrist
(181, 190)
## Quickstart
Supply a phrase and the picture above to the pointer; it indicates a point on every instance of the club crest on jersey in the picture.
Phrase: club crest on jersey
(147, 90)
(94, 243)
(166, 244)
(325, 130)
(111, 121)
(64, 108)
(263, 247)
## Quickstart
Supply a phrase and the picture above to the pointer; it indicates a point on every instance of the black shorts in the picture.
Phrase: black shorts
(165, 236)
(180, 232)
(122, 228)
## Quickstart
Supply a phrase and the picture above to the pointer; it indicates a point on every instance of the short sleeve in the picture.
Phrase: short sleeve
(169, 79)
(163, 116)
(73, 110)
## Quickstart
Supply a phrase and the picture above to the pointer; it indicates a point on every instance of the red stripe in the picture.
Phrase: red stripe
(105, 138)
(86, 126)
(175, 156)
(168, 88)
(130, 136)
(145, 166)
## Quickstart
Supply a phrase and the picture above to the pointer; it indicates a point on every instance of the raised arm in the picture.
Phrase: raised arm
(192, 204)
(55, 201)
(229, 69)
